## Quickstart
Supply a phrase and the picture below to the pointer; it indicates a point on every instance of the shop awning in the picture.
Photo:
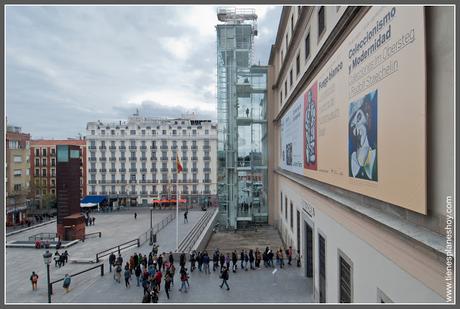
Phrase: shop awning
(94, 199)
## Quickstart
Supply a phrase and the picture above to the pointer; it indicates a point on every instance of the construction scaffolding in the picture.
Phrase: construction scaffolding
(241, 112)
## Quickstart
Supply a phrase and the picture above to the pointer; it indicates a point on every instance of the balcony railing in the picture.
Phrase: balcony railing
(153, 147)
(194, 169)
(122, 147)
(92, 170)
(206, 147)
(112, 170)
(122, 159)
(112, 147)
(92, 159)
(103, 170)
(122, 170)
(207, 180)
(194, 147)
(184, 147)
(121, 181)
(163, 169)
(92, 182)
(133, 147)
(206, 158)
(143, 147)
(132, 158)
(164, 158)
(174, 147)
(143, 158)
(103, 159)
(143, 170)
(194, 158)
(153, 169)
(132, 181)
(163, 147)
(92, 147)
(144, 193)
(133, 170)
(164, 180)
(102, 147)
(206, 169)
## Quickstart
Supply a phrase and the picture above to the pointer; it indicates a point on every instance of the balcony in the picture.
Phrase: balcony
(132, 192)
(194, 158)
(194, 147)
(92, 193)
(184, 169)
(154, 192)
(153, 169)
(206, 192)
(206, 158)
(164, 147)
(194, 192)
(92, 170)
(153, 147)
(113, 192)
(206, 147)
(92, 182)
(92, 147)
(102, 147)
(121, 181)
(103, 192)
(132, 147)
(112, 159)
(112, 170)
(122, 159)
(103, 170)
(206, 180)
(206, 169)
(144, 193)
(143, 158)
(143, 170)
(122, 147)
(164, 180)
(132, 158)
(153, 158)
(184, 147)
(174, 147)
(163, 169)
(133, 181)
(122, 170)
(184, 158)
(102, 159)
(112, 147)
(143, 147)
(194, 169)
(92, 159)
(133, 170)
(164, 158)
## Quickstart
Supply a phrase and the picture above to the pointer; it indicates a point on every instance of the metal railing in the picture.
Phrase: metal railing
(92, 234)
(156, 228)
(50, 287)
(188, 242)
(120, 247)
(43, 236)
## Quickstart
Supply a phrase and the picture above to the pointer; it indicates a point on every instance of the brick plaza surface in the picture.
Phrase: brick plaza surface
(254, 286)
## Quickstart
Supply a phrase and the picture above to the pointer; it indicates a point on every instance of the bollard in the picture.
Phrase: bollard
(138, 243)
(97, 258)
(102, 269)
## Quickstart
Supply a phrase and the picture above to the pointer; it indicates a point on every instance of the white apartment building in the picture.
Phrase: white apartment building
(133, 162)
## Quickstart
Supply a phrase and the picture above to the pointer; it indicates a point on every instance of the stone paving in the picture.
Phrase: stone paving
(253, 286)
(116, 228)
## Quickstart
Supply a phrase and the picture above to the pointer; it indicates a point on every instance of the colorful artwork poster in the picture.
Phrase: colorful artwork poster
(362, 137)
(310, 135)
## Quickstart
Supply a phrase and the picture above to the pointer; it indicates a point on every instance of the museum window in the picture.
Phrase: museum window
(321, 22)
(297, 64)
(345, 279)
(307, 46)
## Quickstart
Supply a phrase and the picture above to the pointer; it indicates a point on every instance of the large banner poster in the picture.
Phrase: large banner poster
(363, 117)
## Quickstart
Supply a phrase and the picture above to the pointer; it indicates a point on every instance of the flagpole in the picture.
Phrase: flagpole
(177, 213)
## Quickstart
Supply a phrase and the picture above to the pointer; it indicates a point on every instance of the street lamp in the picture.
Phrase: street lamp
(47, 259)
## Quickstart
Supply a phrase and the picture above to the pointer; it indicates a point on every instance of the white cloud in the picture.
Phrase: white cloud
(179, 47)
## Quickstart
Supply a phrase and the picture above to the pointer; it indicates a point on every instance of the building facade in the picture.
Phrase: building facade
(43, 167)
(17, 175)
(134, 162)
(241, 108)
(348, 88)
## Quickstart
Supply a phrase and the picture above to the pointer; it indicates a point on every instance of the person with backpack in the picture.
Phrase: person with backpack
(66, 283)
(127, 277)
(112, 259)
(183, 279)
(34, 280)
(224, 276)
(117, 275)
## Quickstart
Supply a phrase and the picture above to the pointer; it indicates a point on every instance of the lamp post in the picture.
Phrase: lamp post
(47, 259)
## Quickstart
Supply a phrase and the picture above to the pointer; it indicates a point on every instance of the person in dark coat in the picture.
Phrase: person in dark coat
(234, 261)
(224, 276)
(251, 259)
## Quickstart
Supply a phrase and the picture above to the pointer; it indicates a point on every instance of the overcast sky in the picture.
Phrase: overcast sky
(68, 65)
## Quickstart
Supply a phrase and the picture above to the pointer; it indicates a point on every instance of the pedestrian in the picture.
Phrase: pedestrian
(34, 280)
(247, 112)
(127, 278)
(251, 258)
(117, 274)
(242, 259)
(227, 260)
(234, 261)
(224, 276)
(183, 279)
(167, 283)
(298, 257)
(182, 260)
(160, 261)
(171, 258)
(138, 273)
(112, 259)
(172, 271)
(281, 258)
(154, 293)
(270, 258)
(119, 260)
(289, 255)
(222, 261)
(147, 298)
(61, 261)
(206, 263)
(199, 260)
(135, 216)
(215, 260)
(56, 259)
(185, 216)
(258, 257)
(192, 261)
(246, 260)
(66, 283)
(94, 220)
(145, 281)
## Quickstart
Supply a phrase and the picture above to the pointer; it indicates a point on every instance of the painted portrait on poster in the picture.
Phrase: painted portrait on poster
(362, 137)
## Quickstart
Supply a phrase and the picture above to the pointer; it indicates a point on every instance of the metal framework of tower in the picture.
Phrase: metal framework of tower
(235, 93)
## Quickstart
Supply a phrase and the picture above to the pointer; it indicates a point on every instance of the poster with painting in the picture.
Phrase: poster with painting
(310, 128)
(362, 137)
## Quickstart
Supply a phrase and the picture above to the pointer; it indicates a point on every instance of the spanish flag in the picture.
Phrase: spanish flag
(179, 166)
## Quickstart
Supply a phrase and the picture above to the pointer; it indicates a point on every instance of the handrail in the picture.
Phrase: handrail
(157, 227)
(79, 273)
(195, 233)
(91, 234)
(119, 248)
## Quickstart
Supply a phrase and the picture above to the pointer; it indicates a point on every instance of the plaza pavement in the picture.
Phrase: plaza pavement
(116, 228)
